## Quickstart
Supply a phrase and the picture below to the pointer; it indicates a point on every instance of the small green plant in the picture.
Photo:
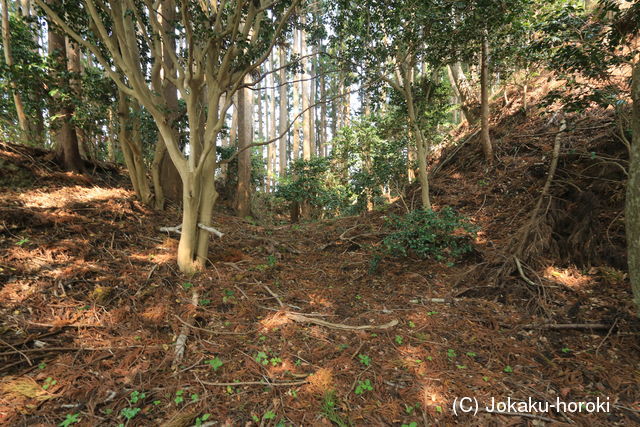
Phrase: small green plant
(42, 365)
(329, 409)
(431, 313)
(411, 424)
(187, 285)
(485, 379)
(136, 396)
(22, 241)
(566, 350)
(195, 397)
(130, 413)
(410, 409)
(363, 386)
(201, 419)
(204, 302)
(364, 359)
(179, 397)
(411, 324)
(215, 363)
(439, 409)
(263, 359)
(429, 234)
(48, 383)
(228, 296)
(471, 354)
(451, 353)
(70, 419)
(398, 339)
(508, 369)
(269, 415)
(272, 261)
(461, 366)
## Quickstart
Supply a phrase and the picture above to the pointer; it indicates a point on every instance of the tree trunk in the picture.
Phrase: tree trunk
(75, 69)
(307, 149)
(632, 204)
(468, 101)
(243, 193)
(271, 152)
(165, 177)
(131, 147)
(421, 144)
(64, 134)
(324, 149)
(8, 57)
(487, 149)
(296, 101)
(284, 114)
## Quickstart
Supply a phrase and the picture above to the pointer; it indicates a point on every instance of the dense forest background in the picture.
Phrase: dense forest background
(304, 212)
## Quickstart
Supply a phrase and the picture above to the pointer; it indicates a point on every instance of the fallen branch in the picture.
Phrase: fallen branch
(181, 341)
(521, 271)
(304, 319)
(264, 383)
(177, 229)
(210, 229)
(296, 317)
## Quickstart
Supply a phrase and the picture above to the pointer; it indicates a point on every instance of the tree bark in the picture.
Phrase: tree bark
(324, 146)
(243, 193)
(632, 204)
(284, 114)
(487, 148)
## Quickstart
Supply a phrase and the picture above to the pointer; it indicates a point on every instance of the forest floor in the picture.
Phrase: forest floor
(91, 306)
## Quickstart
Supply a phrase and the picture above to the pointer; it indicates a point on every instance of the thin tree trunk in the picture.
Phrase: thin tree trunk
(165, 177)
(469, 103)
(307, 148)
(284, 114)
(243, 193)
(296, 102)
(131, 147)
(8, 57)
(323, 116)
(64, 135)
(421, 144)
(271, 152)
(632, 204)
(487, 148)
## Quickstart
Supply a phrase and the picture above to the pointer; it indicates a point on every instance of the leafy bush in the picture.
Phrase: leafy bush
(429, 234)
(312, 181)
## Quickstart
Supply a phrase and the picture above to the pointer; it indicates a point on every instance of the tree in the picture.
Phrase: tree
(245, 138)
(387, 41)
(284, 113)
(8, 57)
(222, 43)
(66, 139)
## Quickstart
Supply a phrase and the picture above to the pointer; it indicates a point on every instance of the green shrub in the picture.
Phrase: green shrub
(440, 235)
